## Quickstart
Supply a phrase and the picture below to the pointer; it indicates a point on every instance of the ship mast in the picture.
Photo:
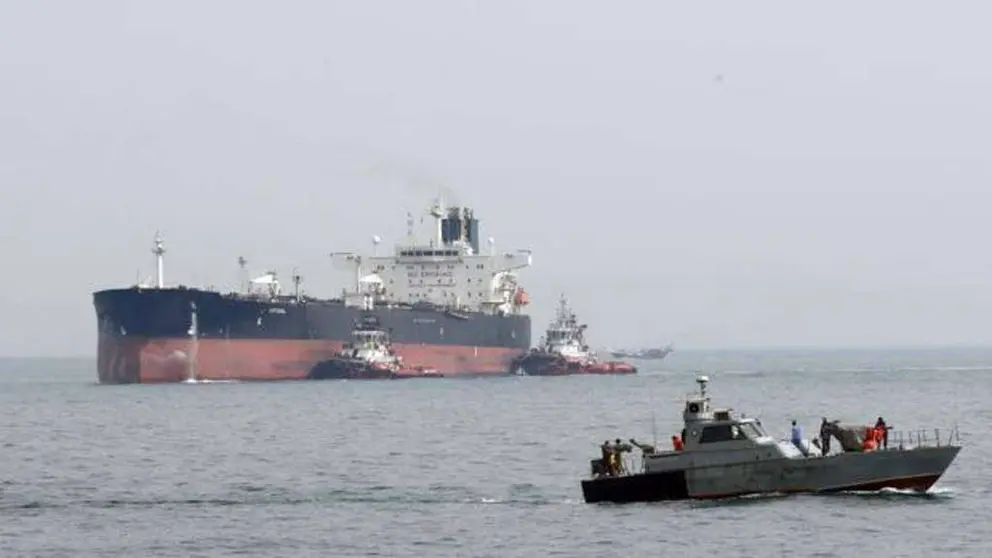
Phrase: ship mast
(438, 213)
(297, 279)
(194, 338)
(159, 251)
(244, 279)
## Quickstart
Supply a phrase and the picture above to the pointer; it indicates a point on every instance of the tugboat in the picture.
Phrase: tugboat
(721, 455)
(369, 355)
(563, 351)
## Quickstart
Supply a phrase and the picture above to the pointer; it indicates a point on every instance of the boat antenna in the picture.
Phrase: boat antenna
(702, 380)
(654, 428)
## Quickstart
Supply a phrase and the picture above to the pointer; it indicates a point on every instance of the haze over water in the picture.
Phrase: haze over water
(764, 173)
(463, 467)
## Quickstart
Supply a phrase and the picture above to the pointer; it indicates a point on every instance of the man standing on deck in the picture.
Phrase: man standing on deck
(825, 436)
(607, 449)
(884, 430)
(645, 448)
(618, 450)
(797, 437)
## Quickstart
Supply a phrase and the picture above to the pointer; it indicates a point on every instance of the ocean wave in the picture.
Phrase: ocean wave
(254, 496)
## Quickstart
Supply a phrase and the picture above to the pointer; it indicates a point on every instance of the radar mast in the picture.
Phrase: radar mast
(159, 251)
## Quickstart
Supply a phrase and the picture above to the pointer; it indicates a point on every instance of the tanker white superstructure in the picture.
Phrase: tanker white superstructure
(447, 269)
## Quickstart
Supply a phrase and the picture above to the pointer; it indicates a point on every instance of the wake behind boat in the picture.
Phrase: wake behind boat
(721, 455)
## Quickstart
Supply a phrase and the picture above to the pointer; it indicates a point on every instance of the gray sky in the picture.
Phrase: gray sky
(762, 173)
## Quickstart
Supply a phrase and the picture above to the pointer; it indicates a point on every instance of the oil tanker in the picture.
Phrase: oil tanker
(446, 305)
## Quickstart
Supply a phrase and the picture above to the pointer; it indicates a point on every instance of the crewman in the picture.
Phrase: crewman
(883, 431)
(607, 450)
(618, 450)
(825, 436)
(869, 444)
(797, 437)
(677, 443)
(646, 449)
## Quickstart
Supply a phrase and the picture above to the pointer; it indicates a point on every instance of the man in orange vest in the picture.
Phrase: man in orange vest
(869, 444)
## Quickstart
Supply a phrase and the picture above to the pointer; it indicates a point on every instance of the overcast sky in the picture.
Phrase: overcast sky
(713, 174)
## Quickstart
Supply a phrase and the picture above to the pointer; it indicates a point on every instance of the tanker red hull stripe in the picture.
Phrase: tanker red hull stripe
(137, 360)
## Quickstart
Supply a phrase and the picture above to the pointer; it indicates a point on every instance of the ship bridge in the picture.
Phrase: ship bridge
(445, 269)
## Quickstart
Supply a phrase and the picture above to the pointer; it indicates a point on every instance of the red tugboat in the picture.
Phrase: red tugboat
(368, 356)
(563, 351)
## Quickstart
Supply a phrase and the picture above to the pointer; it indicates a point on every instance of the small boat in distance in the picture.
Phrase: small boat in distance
(644, 354)
(720, 455)
(369, 355)
(563, 351)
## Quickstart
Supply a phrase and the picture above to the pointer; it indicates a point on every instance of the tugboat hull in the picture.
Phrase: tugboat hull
(554, 365)
(347, 369)
(912, 469)
(409, 373)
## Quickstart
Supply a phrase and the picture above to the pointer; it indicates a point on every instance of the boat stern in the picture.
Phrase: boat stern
(640, 487)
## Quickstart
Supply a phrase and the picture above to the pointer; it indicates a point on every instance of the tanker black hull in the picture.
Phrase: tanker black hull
(144, 336)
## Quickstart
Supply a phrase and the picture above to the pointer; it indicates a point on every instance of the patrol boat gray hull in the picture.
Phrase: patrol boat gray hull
(727, 456)
(912, 469)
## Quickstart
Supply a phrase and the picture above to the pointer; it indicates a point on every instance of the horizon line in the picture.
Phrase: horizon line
(677, 350)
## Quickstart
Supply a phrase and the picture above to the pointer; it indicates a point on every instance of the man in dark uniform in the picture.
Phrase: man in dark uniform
(825, 436)
(881, 426)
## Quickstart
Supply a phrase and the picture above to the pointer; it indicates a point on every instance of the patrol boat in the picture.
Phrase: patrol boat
(725, 455)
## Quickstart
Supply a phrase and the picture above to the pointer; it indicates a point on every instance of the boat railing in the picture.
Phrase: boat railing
(924, 438)
(630, 466)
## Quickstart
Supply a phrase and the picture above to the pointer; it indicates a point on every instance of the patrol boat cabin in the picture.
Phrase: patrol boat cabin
(715, 437)
(721, 455)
